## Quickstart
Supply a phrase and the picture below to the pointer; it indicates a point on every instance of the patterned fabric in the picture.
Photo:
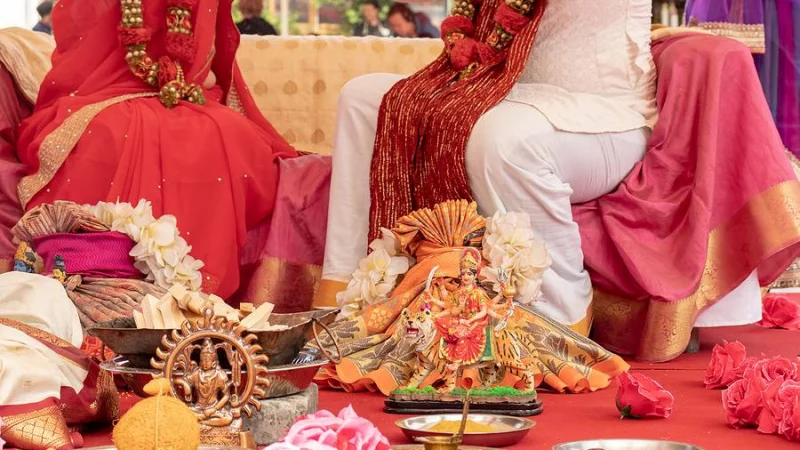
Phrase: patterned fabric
(296, 81)
(104, 299)
(378, 356)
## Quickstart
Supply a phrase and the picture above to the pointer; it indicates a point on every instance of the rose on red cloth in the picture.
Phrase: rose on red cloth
(778, 311)
(789, 399)
(772, 412)
(773, 369)
(324, 431)
(640, 396)
(743, 401)
(728, 363)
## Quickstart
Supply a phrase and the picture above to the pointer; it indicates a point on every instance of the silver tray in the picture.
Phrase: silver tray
(138, 346)
(284, 380)
(625, 444)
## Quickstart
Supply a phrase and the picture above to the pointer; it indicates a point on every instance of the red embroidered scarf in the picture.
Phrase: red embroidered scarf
(425, 120)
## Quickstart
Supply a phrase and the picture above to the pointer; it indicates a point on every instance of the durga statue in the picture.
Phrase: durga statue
(440, 326)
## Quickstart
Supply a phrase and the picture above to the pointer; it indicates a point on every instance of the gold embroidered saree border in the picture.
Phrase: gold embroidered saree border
(658, 331)
(43, 428)
(283, 283)
(57, 146)
(751, 35)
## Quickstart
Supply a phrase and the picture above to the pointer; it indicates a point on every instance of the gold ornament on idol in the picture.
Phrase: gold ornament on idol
(165, 74)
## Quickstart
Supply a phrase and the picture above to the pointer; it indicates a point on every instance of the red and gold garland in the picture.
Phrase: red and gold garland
(458, 30)
(166, 74)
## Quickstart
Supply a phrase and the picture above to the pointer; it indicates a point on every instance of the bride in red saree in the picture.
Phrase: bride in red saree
(99, 132)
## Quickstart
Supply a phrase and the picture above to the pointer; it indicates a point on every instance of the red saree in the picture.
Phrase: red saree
(714, 199)
(98, 133)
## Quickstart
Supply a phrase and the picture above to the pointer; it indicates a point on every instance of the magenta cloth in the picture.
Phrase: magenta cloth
(714, 148)
(13, 108)
(96, 255)
(294, 237)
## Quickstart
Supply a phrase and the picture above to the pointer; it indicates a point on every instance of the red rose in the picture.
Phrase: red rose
(641, 396)
(773, 369)
(779, 311)
(789, 400)
(743, 401)
(726, 360)
(772, 413)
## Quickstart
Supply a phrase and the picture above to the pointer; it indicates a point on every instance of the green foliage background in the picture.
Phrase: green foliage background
(273, 19)
(349, 9)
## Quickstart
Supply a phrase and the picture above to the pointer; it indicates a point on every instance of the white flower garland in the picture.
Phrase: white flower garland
(376, 276)
(160, 252)
(508, 245)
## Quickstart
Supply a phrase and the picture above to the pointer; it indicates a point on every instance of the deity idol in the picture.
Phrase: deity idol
(211, 386)
(145, 101)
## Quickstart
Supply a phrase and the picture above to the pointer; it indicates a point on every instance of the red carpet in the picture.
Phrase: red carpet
(698, 416)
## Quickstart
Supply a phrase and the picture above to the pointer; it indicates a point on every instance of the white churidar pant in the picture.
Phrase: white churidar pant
(516, 161)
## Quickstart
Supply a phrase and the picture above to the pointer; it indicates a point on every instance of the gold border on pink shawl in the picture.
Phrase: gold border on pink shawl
(765, 229)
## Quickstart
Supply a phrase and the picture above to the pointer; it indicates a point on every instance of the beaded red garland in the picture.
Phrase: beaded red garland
(166, 74)
(465, 53)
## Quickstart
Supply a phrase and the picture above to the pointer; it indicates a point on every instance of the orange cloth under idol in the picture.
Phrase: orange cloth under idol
(99, 133)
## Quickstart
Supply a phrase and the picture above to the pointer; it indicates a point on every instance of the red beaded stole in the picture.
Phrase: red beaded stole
(425, 120)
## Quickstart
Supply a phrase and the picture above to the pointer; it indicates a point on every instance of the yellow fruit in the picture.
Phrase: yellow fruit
(158, 423)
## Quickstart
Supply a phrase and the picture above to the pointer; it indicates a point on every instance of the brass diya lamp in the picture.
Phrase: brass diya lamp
(448, 442)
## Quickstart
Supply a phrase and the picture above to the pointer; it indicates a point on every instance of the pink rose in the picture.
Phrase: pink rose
(773, 369)
(641, 396)
(726, 361)
(2, 442)
(789, 399)
(772, 413)
(743, 401)
(324, 431)
(779, 311)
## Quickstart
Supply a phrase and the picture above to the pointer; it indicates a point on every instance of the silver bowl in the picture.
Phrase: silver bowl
(509, 430)
(138, 346)
(284, 380)
(625, 444)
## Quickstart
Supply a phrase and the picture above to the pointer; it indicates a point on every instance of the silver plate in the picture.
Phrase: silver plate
(625, 444)
(510, 430)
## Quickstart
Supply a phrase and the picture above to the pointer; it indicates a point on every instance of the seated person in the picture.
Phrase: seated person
(406, 23)
(540, 125)
(136, 110)
(48, 383)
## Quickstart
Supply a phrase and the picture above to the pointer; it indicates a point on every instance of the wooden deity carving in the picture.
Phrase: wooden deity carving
(192, 359)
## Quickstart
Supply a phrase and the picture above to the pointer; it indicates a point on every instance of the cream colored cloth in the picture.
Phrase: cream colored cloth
(591, 70)
(296, 81)
(29, 370)
(26, 55)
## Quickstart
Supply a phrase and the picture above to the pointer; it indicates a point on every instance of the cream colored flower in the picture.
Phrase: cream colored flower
(509, 246)
(375, 277)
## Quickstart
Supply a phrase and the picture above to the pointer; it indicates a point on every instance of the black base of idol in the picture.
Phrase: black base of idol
(518, 407)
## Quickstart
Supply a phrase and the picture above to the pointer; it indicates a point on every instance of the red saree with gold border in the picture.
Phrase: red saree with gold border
(98, 133)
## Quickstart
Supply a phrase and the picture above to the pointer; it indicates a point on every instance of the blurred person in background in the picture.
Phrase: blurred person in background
(371, 25)
(253, 23)
(406, 23)
(44, 25)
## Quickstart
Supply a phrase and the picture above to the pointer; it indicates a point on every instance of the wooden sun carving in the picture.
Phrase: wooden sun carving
(218, 394)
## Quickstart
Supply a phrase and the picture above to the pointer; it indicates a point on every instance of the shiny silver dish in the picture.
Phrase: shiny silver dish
(625, 444)
(509, 430)
(284, 380)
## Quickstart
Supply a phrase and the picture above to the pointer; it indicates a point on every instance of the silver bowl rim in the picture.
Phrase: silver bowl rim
(113, 367)
(564, 445)
(527, 423)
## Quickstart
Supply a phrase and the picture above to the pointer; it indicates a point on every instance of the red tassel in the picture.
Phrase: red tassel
(181, 46)
(464, 53)
(509, 19)
(457, 24)
(487, 55)
(134, 36)
(167, 71)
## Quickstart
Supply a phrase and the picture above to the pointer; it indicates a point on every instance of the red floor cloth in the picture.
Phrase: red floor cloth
(698, 417)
